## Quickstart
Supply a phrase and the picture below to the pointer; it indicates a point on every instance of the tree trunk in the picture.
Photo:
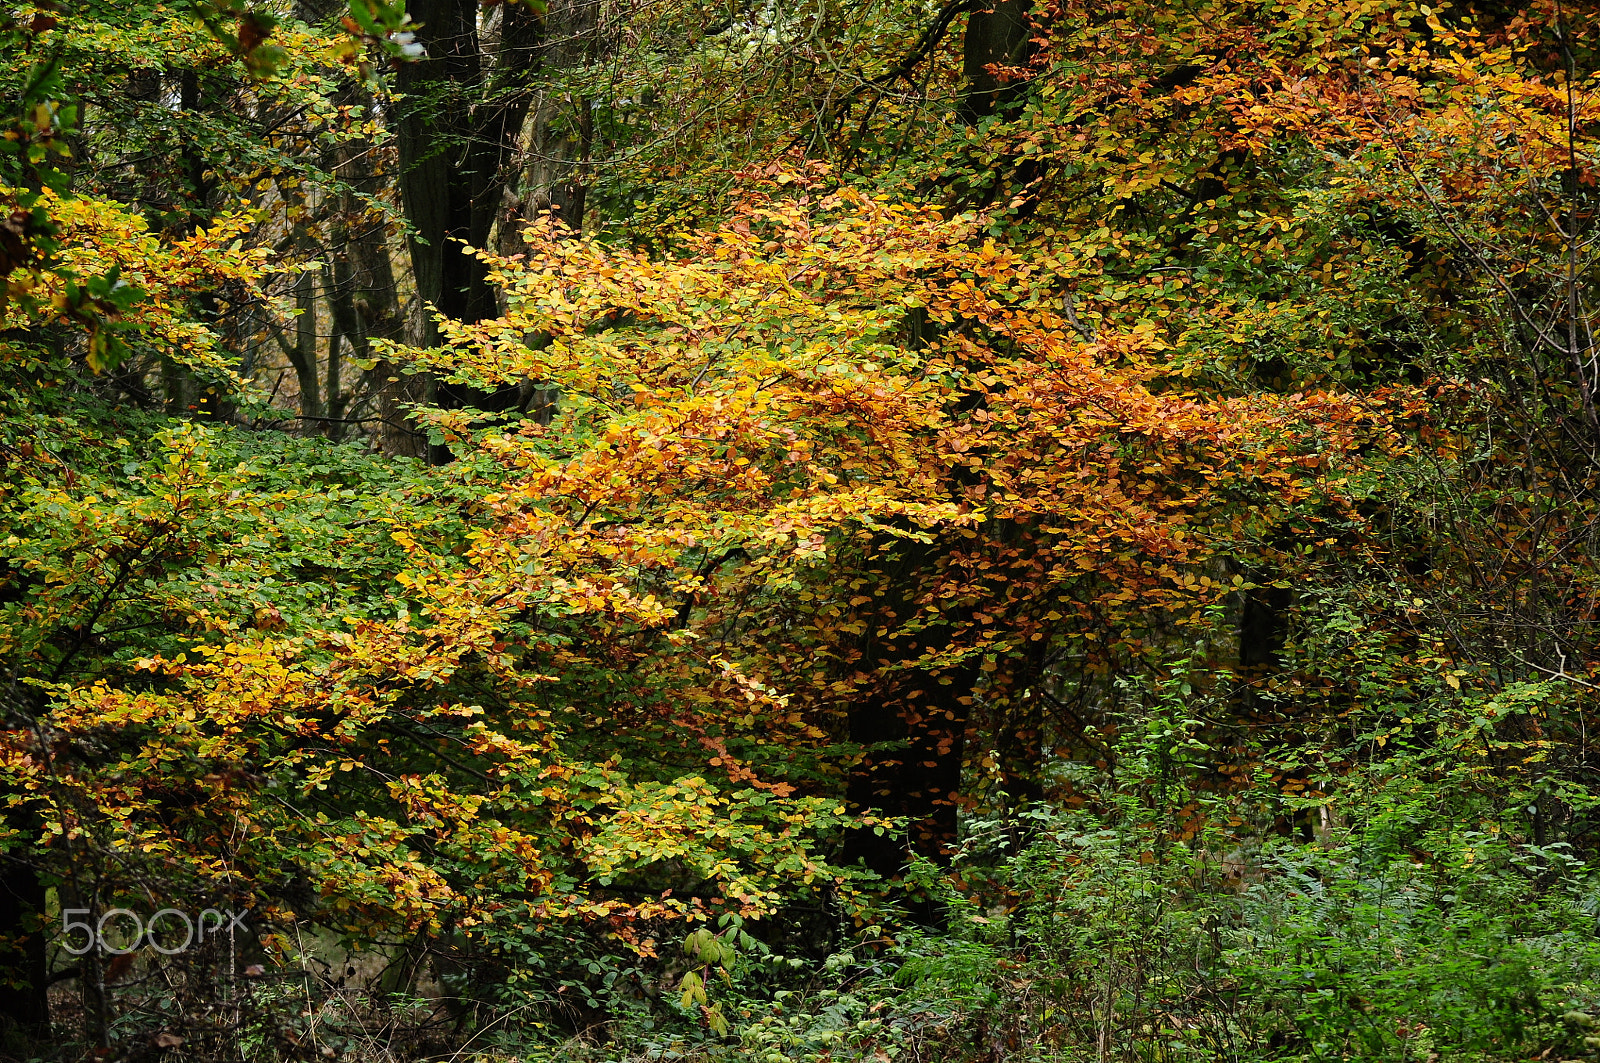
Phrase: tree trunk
(185, 391)
(363, 298)
(559, 132)
(24, 1005)
(911, 723)
(1000, 35)
(919, 717)
(303, 355)
(1263, 631)
(457, 137)
(24, 964)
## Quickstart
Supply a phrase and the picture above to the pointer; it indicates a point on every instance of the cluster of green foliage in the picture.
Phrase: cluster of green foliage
(1419, 922)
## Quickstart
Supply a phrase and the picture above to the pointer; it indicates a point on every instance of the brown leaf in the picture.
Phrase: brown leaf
(118, 968)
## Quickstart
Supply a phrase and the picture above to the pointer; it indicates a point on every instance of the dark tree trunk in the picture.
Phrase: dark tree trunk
(1018, 728)
(457, 139)
(199, 184)
(919, 776)
(999, 35)
(911, 723)
(1263, 636)
(24, 1005)
(1263, 633)
(24, 964)
(920, 716)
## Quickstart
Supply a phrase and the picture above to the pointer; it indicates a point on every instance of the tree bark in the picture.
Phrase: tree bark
(24, 1003)
(559, 130)
(457, 139)
(911, 723)
(1000, 35)
(363, 297)
(303, 355)
(24, 963)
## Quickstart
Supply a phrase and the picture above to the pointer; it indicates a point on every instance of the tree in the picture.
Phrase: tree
(938, 450)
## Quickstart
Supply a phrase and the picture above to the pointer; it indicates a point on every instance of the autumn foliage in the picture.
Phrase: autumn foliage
(1159, 438)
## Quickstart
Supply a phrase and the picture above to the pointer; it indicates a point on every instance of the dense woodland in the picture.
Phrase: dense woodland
(846, 530)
